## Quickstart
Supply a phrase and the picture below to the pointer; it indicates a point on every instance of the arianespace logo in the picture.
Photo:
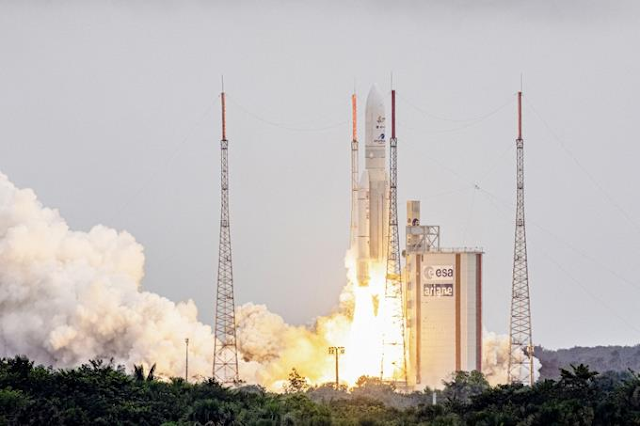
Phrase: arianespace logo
(438, 273)
(438, 290)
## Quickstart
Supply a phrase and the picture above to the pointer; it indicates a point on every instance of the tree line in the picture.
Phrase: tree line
(101, 393)
(600, 358)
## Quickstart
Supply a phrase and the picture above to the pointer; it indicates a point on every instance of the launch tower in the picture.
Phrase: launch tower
(225, 354)
(393, 345)
(520, 342)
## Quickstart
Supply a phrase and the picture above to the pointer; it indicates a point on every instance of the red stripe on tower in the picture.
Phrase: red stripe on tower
(519, 115)
(224, 117)
(354, 118)
(393, 114)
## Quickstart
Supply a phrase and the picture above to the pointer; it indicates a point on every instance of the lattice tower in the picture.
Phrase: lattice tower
(394, 360)
(520, 341)
(225, 356)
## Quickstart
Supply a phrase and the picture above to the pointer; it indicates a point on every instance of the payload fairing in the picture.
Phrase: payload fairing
(373, 192)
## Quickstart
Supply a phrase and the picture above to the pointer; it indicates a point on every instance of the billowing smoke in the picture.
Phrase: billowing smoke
(67, 297)
(264, 338)
(495, 358)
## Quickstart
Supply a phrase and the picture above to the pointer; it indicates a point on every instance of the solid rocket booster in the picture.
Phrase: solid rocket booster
(373, 212)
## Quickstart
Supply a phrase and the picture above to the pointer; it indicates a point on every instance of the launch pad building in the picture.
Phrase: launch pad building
(443, 295)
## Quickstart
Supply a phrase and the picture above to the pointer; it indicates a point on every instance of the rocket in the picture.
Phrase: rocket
(373, 192)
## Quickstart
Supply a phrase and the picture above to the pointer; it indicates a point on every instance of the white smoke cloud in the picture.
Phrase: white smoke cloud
(264, 338)
(67, 297)
(495, 358)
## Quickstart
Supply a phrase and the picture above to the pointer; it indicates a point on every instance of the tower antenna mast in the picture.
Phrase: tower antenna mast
(225, 353)
(520, 341)
(394, 359)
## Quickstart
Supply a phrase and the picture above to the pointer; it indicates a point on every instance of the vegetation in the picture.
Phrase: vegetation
(600, 358)
(100, 393)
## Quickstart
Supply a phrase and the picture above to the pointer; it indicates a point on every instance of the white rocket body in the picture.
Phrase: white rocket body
(373, 191)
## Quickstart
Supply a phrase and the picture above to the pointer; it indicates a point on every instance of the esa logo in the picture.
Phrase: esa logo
(438, 273)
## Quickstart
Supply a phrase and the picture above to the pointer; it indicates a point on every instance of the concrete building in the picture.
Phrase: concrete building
(443, 295)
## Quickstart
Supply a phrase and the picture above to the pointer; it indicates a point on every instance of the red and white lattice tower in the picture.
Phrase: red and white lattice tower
(225, 354)
(520, 341)
(394, 359)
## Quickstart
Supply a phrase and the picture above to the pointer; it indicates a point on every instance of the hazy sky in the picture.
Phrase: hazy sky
(110, 112)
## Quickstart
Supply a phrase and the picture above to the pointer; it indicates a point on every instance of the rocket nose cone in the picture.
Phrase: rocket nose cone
(374, 127)
(374, 97)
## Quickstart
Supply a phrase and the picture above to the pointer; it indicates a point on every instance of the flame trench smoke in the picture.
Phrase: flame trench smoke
(67, 297)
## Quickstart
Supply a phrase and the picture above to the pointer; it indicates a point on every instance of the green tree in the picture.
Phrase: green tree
(463, 386)
(296, 383)
(138, 373)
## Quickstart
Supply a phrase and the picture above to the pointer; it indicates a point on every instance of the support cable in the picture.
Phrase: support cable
(584, 170)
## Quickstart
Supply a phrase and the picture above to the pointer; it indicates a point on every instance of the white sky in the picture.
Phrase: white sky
(109, 111)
